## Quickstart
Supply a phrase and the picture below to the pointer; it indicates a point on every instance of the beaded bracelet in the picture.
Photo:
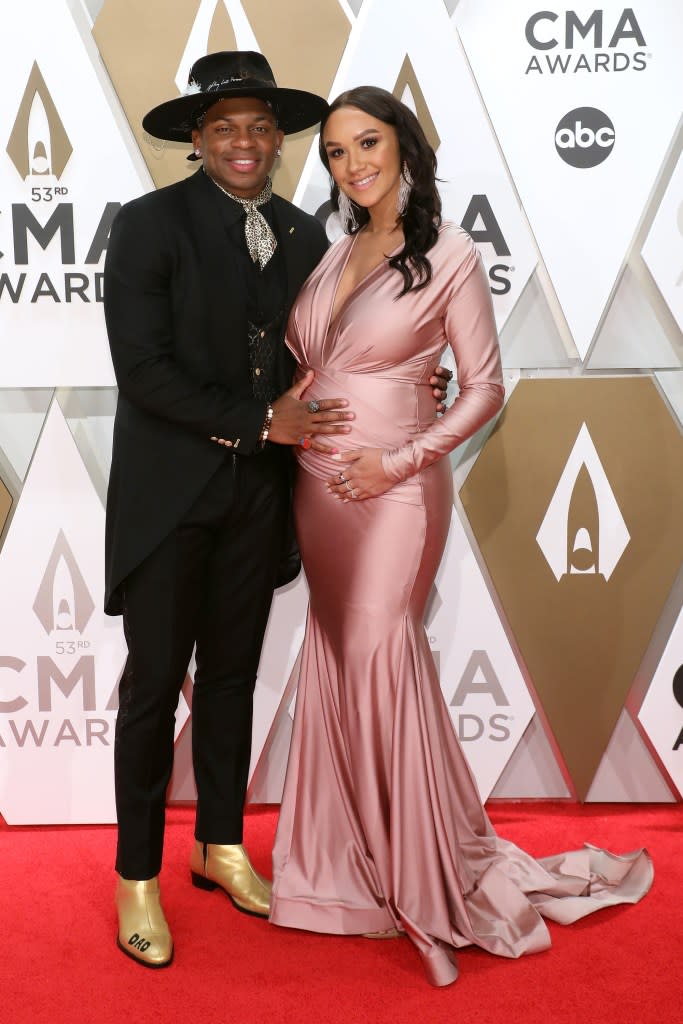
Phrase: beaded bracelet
(263, 436)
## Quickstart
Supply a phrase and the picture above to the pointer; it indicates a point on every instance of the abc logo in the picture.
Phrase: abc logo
(584, 137)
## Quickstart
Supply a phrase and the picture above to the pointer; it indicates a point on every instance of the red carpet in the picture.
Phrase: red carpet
(59, 962)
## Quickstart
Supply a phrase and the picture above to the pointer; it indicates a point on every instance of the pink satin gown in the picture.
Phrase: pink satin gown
(381, 824)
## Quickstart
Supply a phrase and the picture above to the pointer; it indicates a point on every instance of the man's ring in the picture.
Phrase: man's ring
(305, 442)
(348, 486)
(313, 406)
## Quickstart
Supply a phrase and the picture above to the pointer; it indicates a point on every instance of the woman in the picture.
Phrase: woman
(381, 830)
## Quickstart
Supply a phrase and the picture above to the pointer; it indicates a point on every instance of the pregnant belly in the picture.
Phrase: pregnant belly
(387, 413)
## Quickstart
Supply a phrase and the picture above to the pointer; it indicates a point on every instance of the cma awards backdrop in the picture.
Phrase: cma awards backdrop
(555, 619)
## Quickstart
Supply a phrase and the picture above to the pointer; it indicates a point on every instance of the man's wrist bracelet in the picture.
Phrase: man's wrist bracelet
(263, 436)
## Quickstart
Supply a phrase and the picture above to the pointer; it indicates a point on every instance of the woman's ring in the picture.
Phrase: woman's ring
(342, 477)
(313, 406)
(305, 442)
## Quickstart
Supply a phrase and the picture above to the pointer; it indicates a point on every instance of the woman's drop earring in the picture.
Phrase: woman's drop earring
(404, 190)
(347, 213)
(197, 152)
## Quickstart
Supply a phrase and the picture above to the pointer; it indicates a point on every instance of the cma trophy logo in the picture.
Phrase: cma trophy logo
(63, 606)
(39, 146)
(40, 150)
(583, 530)
(63, 601)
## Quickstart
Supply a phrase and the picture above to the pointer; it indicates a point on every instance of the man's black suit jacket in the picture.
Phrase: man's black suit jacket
(177, 323)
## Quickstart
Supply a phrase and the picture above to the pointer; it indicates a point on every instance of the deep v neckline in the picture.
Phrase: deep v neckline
(335, 313)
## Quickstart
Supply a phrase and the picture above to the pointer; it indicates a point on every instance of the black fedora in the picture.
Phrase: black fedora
(226, 74)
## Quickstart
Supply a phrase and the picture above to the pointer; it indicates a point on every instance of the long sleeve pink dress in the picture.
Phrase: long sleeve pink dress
(381, 824)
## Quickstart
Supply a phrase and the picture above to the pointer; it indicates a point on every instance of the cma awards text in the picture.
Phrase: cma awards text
(30, 235)
(51, 731)
(548, 31)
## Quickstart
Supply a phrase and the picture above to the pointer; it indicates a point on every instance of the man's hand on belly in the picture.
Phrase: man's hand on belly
(296, 422)
(439, 381)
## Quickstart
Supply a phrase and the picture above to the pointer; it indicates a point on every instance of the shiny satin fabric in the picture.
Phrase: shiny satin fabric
(381, 824)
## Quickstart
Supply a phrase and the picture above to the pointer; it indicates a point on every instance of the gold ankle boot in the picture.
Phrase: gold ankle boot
(229, 868)
(144, 934)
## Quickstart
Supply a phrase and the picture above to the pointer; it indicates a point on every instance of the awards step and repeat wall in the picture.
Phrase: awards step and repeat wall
(555, 619)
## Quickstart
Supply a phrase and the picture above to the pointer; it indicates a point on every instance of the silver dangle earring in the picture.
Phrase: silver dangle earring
(197, 152)
(404, 190)
(347, 213)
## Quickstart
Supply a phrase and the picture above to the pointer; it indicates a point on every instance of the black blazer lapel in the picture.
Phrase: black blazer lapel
(294, 248)
(224, 310)
(297, 268)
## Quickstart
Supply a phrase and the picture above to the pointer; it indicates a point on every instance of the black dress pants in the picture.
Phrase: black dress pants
(209, 583)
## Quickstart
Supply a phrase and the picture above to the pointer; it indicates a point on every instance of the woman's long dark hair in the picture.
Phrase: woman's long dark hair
(422, 216)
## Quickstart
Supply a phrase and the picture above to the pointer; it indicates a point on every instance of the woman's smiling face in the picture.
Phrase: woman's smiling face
(364, 157)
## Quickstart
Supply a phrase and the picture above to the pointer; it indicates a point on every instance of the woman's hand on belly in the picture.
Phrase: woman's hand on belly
(360, 475)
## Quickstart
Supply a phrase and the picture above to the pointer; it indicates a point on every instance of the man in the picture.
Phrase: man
(199, 280)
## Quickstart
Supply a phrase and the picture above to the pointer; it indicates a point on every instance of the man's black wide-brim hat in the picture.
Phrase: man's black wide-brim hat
(224, 75)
